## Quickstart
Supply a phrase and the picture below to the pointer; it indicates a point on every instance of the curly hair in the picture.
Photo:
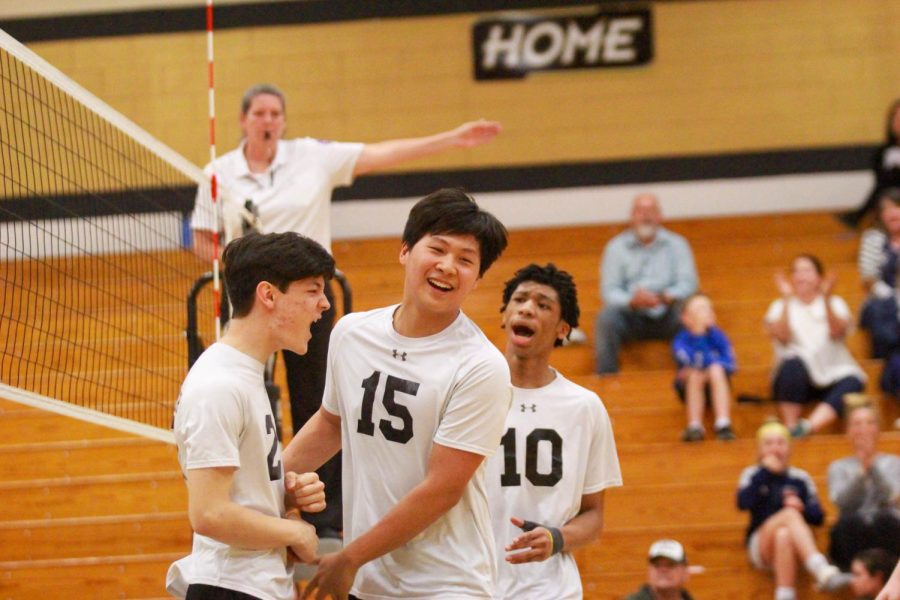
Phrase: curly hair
(551, 276)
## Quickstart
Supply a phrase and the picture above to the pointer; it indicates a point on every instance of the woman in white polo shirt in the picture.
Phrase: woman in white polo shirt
(808, 326)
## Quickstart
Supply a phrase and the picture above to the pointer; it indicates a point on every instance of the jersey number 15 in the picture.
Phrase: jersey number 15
(366, 424)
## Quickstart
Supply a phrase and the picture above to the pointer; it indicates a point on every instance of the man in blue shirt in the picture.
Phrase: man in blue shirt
(645, 273)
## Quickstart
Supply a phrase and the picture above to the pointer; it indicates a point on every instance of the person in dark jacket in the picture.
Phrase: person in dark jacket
(885, 166)
(667, 573)
(782, 503)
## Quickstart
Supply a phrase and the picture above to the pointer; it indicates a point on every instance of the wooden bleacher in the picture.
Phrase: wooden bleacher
(93, 513)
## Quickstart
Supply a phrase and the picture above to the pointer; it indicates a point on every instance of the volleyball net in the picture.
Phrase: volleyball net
(93, 264)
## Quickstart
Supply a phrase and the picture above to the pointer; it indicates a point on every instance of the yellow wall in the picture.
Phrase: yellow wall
(727, 76)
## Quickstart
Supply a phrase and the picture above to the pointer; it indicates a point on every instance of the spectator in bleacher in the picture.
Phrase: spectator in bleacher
(879, 259)
(540, 516)
(866, 488)
(782, 503)
(885, 166)
(705, 360)
(808, 326)
(667, 573)
(646, 273)
(870, 571)
(289, 183)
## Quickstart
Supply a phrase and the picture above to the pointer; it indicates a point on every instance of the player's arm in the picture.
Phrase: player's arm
(317, 441)
(212, 513)
(449, 471)
(382, 155)
(539, 543)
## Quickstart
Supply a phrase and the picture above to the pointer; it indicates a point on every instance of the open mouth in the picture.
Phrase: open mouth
(440, 285)
(523, 331)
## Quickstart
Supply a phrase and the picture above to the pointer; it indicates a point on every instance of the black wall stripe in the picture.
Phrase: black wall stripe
(231, 16)
(490, 179)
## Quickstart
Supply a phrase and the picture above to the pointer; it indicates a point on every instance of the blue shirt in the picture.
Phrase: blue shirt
(701, 351)
(666, 265)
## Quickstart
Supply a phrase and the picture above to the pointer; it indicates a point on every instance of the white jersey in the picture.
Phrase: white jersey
(558, 446)
(397, 397)
(223, 419)
(293, 194)
(828, 360)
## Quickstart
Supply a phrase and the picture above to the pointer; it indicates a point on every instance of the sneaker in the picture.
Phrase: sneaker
(577, 337)
(725, 433)
(692, 434)
(828, 579)
(801, 430)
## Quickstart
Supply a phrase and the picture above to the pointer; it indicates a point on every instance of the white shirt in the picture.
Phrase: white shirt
(223, 418)
(558, 447)
(827, 360)
(293, 194)
(397, 397)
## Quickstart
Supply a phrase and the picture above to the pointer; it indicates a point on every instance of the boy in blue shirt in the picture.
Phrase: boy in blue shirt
(705, 361)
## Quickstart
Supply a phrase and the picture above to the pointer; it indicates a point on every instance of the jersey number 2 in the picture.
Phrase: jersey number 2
(274, 467)
(366, 425)
(511, 477)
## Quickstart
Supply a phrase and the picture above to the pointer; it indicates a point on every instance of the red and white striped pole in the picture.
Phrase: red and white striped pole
(213, 186)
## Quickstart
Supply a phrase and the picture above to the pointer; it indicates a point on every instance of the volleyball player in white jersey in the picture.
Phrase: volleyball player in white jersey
(225, 432)
(558, 454)
(416, 396)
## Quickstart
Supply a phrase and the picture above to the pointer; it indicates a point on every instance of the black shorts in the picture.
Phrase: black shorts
(201, 591)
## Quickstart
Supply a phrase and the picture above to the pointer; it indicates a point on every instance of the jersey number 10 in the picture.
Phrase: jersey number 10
(511, 477)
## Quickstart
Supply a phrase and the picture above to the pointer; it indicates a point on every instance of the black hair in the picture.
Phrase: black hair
(890, 136)
(279, 258)
(452, 211)
(551, 276)
(877, 560)
(816, 263)
(257, 90)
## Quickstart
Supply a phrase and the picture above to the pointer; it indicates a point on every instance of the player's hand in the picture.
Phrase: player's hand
(308, 492)
(475, 133)
(306, 543)
(334, 577)
(534, 546)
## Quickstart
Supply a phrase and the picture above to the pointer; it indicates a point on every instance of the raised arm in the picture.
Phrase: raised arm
(449, 471)
(383, 155)
(213, 514)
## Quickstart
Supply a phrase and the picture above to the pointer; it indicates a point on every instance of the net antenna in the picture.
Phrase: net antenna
(93, 260)
(213, 182)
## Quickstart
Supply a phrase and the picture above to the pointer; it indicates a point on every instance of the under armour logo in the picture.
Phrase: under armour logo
(527, 407)
(400, 355)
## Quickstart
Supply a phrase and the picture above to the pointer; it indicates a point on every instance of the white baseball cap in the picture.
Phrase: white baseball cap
(668, 549)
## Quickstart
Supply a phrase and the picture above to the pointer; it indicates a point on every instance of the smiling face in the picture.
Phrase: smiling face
(295, 310)
(264, 120)
(533, 320)
(805, 278)
(441, 270)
